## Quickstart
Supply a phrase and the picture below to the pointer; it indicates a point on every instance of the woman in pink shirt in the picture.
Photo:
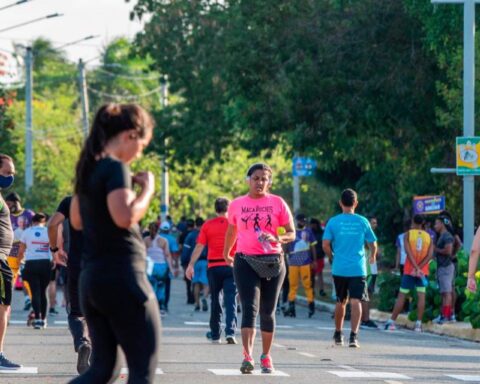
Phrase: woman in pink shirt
(259, 269)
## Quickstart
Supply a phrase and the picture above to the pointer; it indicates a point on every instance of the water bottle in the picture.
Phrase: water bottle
(267, 247)
(424, 280)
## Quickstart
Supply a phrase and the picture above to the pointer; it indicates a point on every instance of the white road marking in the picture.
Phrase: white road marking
(236, 372)
(21, 371)
(196, 323)
(306, 354)
(393, 382)
(61, 322)
(278, 345)
(362, 375)
(475, 378)
(326, 328)
(18, 322)
(283, 326)
(124, 371)
(347, 367)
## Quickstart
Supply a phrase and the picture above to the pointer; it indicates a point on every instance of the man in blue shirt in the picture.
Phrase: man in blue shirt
(344, 240)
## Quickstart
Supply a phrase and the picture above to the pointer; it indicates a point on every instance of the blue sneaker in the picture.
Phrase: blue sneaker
(7, 365)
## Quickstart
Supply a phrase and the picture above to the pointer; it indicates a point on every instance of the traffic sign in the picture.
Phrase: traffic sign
(303, 166)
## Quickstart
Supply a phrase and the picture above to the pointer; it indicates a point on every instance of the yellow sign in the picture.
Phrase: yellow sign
(468, 156)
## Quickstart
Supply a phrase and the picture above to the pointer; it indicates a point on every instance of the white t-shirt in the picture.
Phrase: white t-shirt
(401, 245)
(36, 242)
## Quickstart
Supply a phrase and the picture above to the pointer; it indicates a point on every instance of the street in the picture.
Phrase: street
(303, 352)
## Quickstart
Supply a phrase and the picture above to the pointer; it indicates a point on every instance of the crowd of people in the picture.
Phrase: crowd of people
(250, 259)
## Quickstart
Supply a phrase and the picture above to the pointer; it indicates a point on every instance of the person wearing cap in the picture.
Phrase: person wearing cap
(165, 228)
(301, 256)
(21, 219)
(343, 242)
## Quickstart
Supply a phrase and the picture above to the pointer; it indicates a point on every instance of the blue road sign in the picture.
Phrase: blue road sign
(303, 166)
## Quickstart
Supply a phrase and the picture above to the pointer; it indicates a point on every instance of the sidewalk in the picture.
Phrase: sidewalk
(460, 330)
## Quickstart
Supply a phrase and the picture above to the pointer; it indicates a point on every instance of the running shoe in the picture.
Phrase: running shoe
(30, 319)
(322, 293)
(43, 323)
(6, 364)
(390, 326)
(209, 335)
(197, 308)
(266, 364)
(204, 305)
(353, 343)
(247, 364)
(83, 357)
(311, 309)
(439, 320)
(37, 324)
(418, 326)
(53, 312)
(368, 325)
(28, 304)
(231, 340)
(338, 338)
(452, 319)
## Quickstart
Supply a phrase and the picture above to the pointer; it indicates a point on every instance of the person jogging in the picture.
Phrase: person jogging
(418, 246)
(116, 296)
(259, 270)
(159, 255)
(7, 173)
(220, 275)
(301, 256)
(38, 266)
(344, 240)
(72, 258)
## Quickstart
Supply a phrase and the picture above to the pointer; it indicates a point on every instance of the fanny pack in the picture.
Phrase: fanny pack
(266, 266)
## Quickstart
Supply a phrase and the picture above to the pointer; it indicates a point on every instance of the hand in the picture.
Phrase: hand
(176, 272)
(189, 272)
(229, 261)
(269, 237)
(472, 284)
(60, 257)
(372, 259)
(145, 180)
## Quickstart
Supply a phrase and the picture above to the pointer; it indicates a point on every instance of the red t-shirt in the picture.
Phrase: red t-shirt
(212, 235)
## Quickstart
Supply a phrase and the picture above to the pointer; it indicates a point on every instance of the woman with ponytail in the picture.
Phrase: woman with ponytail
(116, 297)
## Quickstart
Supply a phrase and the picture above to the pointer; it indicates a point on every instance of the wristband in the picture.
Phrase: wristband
(53, 249)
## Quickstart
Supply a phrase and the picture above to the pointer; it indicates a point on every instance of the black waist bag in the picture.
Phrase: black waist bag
(266, 266)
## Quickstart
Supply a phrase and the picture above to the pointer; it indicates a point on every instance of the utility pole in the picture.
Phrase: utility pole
(28, 120)
(82, 83)
(296, 194)
(165, 198)
(468, 111)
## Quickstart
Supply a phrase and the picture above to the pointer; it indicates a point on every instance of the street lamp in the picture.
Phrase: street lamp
(14, 4)
(78, 41)
(53, 15)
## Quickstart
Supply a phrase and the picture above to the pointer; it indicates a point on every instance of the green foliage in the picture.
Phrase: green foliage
(388, 284)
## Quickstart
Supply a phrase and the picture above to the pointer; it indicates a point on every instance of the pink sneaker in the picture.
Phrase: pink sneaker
(247, 363)
(266, 364)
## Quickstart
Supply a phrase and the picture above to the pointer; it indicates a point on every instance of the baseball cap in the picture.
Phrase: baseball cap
(301, 217)
(165, 226)
(13, 197)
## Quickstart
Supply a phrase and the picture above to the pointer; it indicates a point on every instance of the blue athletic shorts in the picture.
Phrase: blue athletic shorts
(410, 282)
(200, 272)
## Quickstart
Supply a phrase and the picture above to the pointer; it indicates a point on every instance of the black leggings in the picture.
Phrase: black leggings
(257, 295)
(121, 310)
(37, 274)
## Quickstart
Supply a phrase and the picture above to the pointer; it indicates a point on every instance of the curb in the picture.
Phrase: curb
(460, 330)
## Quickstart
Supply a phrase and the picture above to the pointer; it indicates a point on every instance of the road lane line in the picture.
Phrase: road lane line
(236, 372)
(364, 375)
(393, 382)
(348, 368)
(20, 371)
(475, 378)
(124, 371)
(278, 345)
(306, 354)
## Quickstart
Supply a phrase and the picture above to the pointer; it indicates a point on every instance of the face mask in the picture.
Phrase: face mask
(6, 181)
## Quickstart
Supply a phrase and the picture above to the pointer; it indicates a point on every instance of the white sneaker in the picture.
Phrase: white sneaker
(418, 327)
(390, 326)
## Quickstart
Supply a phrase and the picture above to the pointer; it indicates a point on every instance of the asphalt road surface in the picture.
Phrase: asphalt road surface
(303, 352)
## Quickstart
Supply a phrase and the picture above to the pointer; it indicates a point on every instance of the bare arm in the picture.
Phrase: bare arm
(408, 250)
(447, 251)
(168, 255)
(197, 251)
(327, 248)
(373, 252)
(21, 252)
(126, 208)
(53, 225)
(428, 258)
(230, 238)
(75, 218)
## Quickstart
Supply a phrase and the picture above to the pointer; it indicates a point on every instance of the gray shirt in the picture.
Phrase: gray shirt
(444, 239)
(6, 231)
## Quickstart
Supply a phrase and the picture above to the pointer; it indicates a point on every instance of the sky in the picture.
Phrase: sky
(107, 18)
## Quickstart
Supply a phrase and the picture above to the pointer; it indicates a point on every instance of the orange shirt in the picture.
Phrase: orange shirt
(419, 242)
(212, 235)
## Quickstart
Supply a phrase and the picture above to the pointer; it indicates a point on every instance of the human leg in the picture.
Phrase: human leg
(229, 292)
(215, 282)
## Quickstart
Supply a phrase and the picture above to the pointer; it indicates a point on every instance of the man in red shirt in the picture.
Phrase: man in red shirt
(220, 275)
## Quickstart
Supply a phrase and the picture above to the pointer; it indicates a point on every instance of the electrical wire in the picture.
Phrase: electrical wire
(124, 97)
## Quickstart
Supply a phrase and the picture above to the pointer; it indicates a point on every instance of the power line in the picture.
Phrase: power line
(130, 77)
(124, 97)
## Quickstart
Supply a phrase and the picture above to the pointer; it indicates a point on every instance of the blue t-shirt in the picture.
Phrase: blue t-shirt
(348, 234)
(189, 245)
(172, 242)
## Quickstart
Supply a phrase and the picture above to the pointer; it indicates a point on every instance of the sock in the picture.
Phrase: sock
(448, 311)
(444, 311)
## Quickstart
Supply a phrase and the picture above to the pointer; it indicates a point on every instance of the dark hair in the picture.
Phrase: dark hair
(447, 221)
(4, 157)
(259, 166)
(199, 222)
(190, 223)
(418, 219)
(221, 204)
(301, 217)
(39, 217)
(348, 198)
(110, 120)
(153, 225)
(13, 197)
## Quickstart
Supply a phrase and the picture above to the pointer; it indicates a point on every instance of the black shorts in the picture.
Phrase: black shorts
(6, 283)
(353, 287)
